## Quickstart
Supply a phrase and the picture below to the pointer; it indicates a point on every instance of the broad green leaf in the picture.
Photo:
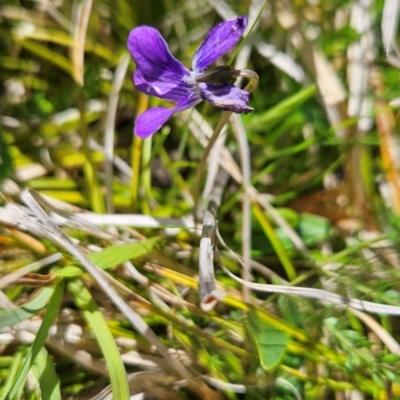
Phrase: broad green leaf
(314, 229)
(289, 309)
(48, 320)
(11, 316)
(104, 337)
(269, 341)
(114, 255)
(45, 373)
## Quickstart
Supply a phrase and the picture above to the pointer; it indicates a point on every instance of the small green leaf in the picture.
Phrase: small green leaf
(70, 271)
(379, 381)
(114, 255)
(314, 229)
(393, 295)
(291, 216)
(270, 341)
(390, 375)
(350, 334)
(349, 363)
(391, 358)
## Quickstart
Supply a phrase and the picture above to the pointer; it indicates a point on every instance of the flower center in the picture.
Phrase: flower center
(190, 79)
(224, 74)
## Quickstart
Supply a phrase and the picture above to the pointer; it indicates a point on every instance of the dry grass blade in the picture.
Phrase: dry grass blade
(323, 296)
(80, 20)
(380, 332)
(120, 73)
(389, 24)
(13, 276)
(244, 151)
(280, 60)
(208, 296)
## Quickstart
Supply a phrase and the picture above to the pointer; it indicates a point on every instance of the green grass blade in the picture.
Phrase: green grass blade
(11, 316)
(12, 373)
(47, 54)
(44, 371)
(48, 320)
(104, 337)
(276, 243)
(275, 114)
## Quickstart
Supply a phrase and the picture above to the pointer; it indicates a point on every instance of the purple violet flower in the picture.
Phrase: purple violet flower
(159, 73)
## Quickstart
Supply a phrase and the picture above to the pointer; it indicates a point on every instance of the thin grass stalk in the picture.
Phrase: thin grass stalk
(109, 129)
(244, 152)
(89, 168)
(136, 153)
(146, 174)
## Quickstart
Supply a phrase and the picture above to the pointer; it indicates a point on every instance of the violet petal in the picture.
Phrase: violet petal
(150, 121)
(158, 72)
(226, 97)
(219, 41)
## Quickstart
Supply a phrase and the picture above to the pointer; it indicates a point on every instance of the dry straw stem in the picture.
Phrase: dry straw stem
(15, 275)
(80, 20)
(208, 294)
(389, 24)
(109, 127)
(244, 151)
(323, 296)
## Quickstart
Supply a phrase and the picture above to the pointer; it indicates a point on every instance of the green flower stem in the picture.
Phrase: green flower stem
(137, 156)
